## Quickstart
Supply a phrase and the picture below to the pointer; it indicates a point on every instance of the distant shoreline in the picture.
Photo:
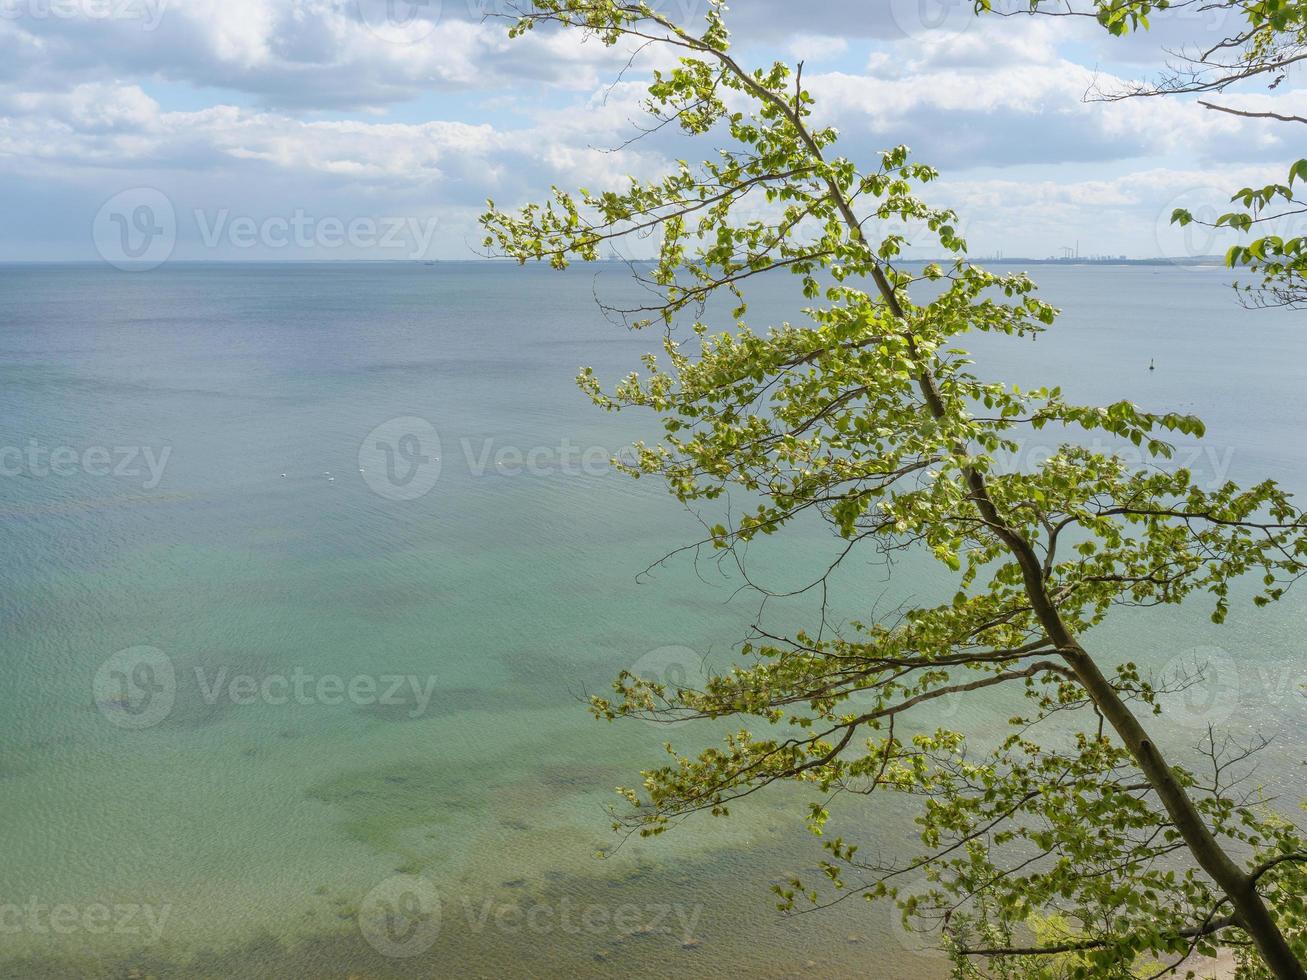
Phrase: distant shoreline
(1215, 261)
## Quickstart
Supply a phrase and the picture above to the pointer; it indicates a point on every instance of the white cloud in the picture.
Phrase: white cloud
(260, 104)
(813, 49)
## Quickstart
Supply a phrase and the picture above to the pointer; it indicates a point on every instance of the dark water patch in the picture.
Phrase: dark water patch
(533, 667)
(380, 806)
(12, 766)
(445, 702)
(50, 380)
(571, 778)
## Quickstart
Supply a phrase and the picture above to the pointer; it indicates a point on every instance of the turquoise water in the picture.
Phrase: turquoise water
(234, 541)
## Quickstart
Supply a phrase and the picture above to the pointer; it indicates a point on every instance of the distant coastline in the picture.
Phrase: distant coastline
(1215, 261)
(1212, 260)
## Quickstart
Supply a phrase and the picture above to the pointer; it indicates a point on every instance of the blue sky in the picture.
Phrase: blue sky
(375, 128)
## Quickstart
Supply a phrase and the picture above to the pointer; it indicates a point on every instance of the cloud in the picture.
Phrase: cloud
(1126, 214)
(257, 106)
(118, 126)
(307, 54)
(1024, 113)
(816, 48)
(101, 140)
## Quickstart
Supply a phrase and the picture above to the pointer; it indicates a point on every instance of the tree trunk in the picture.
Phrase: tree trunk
(1251, 912)
(1253, 915)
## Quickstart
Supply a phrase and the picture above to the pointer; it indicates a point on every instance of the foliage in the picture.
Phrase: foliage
(1281, 262)
(1267, 38)
(1068, 846)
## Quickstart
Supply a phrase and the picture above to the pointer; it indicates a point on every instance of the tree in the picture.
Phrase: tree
(1084, 853)
(1268, 38)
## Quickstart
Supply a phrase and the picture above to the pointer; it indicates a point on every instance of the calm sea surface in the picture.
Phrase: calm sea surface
(269, 668)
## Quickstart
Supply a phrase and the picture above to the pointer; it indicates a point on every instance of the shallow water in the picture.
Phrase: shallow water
(249, 821)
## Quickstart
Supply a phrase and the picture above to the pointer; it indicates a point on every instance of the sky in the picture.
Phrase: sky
(143, 130)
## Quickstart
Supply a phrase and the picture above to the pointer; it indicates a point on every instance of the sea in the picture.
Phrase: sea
(307, 571)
